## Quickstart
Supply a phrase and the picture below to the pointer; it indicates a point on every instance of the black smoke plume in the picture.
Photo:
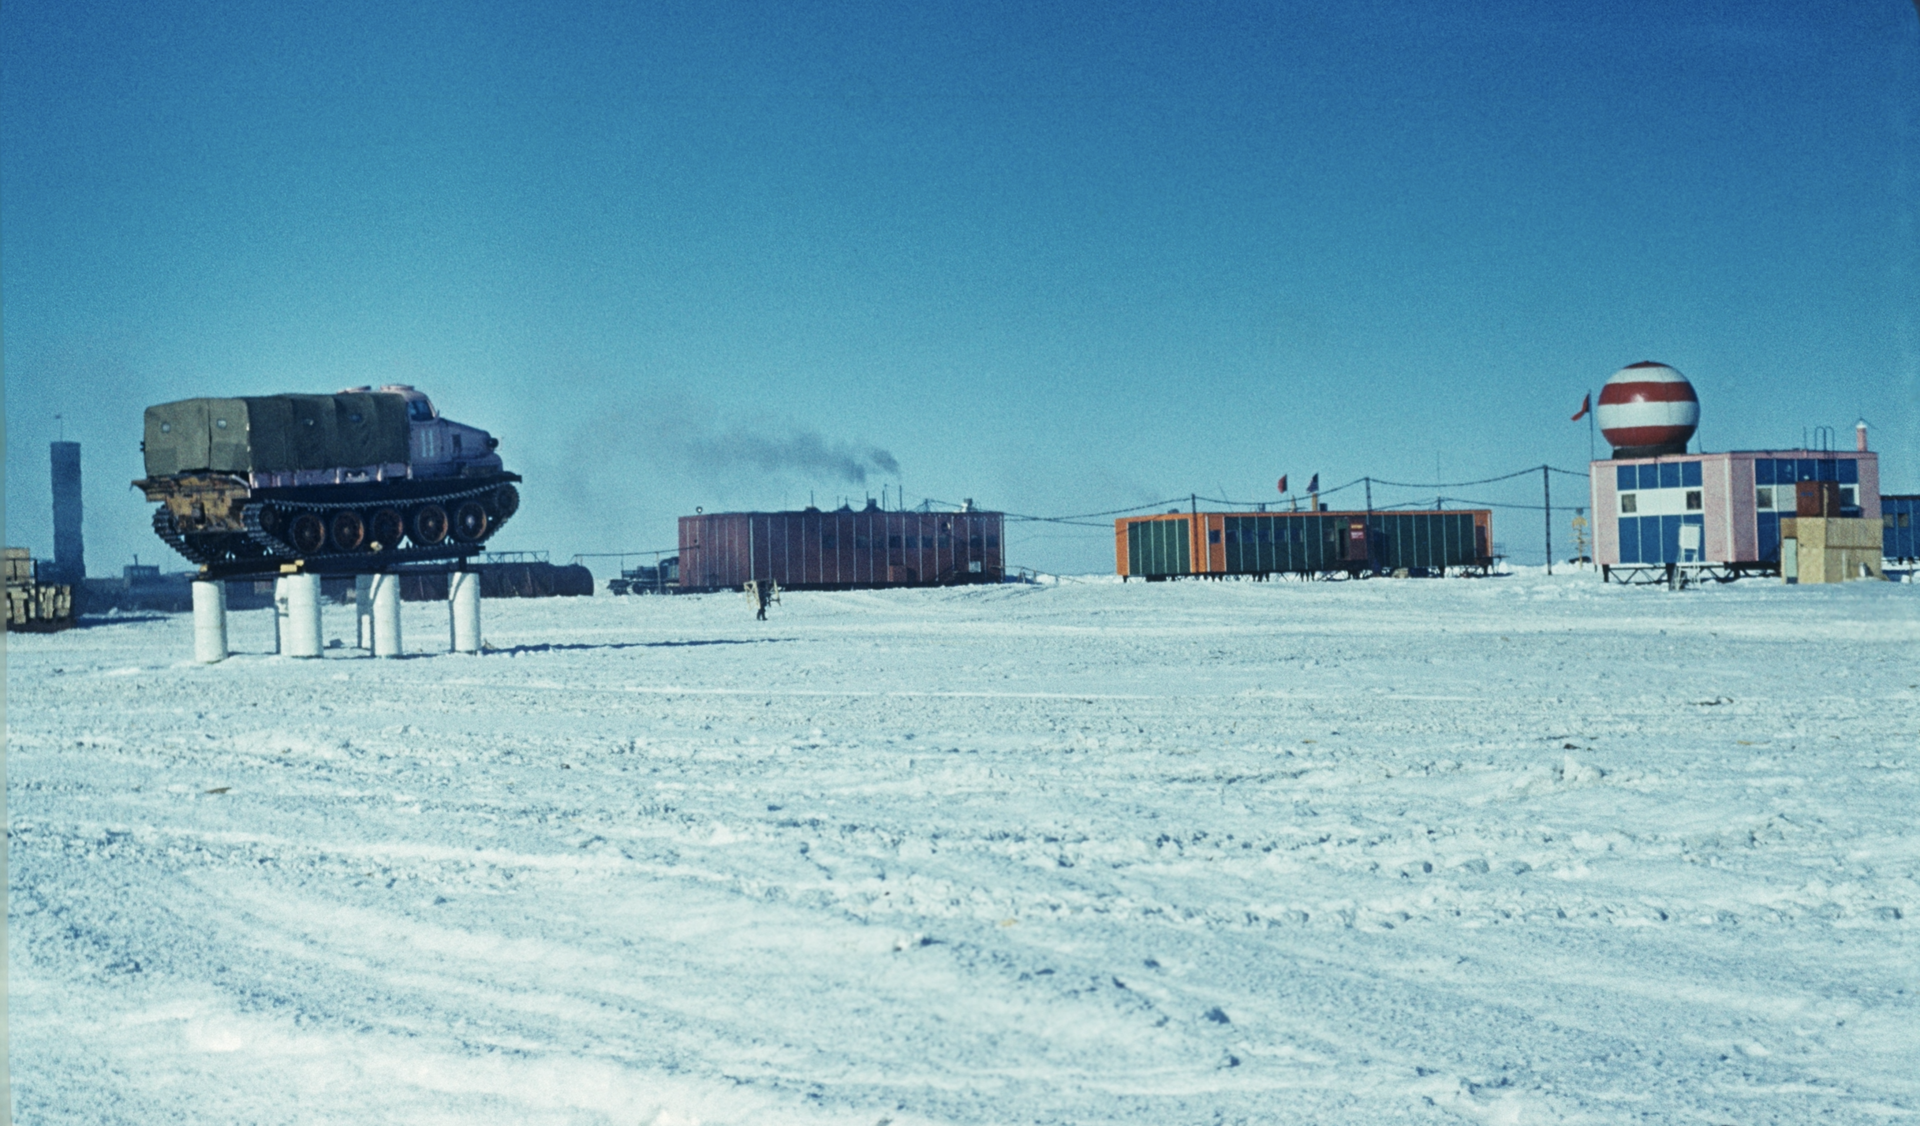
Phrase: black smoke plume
(805, 453)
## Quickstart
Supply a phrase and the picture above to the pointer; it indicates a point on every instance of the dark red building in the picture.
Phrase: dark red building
(840, 550)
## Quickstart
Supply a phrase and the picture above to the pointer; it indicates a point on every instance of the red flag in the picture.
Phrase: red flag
(1586, 405)
(1283, 482)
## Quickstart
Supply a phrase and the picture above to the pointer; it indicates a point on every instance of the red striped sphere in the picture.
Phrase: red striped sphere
(1647, 409)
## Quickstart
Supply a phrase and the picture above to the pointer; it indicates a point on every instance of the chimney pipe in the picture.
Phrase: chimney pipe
(1860, 435)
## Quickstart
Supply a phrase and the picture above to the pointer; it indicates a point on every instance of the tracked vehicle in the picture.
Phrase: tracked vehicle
(356, 481)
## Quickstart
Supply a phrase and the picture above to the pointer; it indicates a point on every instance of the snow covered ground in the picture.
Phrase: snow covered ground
(1516, 850)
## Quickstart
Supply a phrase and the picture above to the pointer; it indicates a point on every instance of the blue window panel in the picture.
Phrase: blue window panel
(1626, 478)
(1828, 470)
(1669, 539)
(1649, 476)
(1690, 474)
(1669, 475)
(1809, 470)
(1784, 473)
(1849, 471)
(1769, 535)
(1630, 540)
(1763, 471)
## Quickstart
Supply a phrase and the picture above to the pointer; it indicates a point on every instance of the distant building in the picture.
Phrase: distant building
(841, 550)
(1722, 513)
(1662, 512)
(69, 548)
(1331, 544)
(1900, 528)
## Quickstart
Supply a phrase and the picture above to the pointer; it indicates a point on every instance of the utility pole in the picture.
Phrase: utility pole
(1198, 540)
(1369, 481)
(1546, 492)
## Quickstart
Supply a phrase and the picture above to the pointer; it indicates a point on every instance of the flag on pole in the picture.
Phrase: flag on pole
(1283, 483)
(1313, 486)
(1586, 405)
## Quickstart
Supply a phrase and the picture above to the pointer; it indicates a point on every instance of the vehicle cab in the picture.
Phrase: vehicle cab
(440, 447)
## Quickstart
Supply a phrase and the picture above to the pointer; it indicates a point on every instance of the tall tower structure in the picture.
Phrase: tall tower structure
(69, 549)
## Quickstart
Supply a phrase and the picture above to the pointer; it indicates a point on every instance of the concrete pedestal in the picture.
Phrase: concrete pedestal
(280, 615)
(363, 610)
(209, 622)
(463, 601)
(386, 616)
(301, 637)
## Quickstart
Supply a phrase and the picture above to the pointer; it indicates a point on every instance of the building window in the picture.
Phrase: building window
(993, 541)
(859, 540)
(826, 541)
(946, 540)
(1213, 535)
(1629, 502)
(1847, 495)
(1763, 497)
(1693, 500)
(893, 541)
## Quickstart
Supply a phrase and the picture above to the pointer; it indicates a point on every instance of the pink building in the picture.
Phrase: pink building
(1717, 512)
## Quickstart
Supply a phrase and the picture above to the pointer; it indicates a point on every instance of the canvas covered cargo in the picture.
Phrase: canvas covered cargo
(19, 565)
(31, 604)
(274, 433)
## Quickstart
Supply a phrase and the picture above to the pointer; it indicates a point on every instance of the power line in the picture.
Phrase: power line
(1077, 519)
(1068, 519)
(1091, 515)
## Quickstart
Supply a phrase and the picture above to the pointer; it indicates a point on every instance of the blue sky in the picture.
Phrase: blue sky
(1055, 258)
